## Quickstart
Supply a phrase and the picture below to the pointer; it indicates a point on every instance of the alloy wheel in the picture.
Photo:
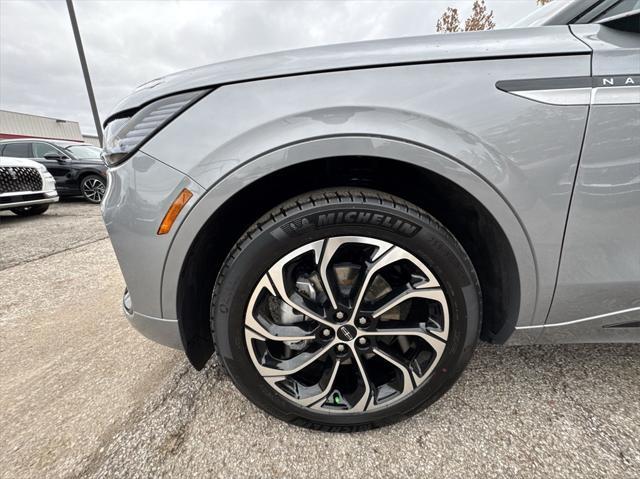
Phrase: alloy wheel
(347, 324)
(93, 189)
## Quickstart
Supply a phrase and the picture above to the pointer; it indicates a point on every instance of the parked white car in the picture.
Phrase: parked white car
(26, 187)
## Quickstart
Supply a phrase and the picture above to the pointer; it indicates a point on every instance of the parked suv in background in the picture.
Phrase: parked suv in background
(76, 167)
(342, 224)
(26, 187)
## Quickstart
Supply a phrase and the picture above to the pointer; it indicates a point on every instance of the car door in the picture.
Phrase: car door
(60, 167)
(597, 295)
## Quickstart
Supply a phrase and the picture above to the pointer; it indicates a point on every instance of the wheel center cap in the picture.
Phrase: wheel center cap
(347, 333)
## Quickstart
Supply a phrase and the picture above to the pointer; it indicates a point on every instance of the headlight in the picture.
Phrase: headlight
(48, 183)
(123, 136)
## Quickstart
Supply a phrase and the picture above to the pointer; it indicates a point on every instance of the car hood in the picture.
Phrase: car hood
(432, 48)
(16, 162)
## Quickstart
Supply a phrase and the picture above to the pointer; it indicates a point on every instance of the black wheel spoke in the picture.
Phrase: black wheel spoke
(407, 376)
(365, 398)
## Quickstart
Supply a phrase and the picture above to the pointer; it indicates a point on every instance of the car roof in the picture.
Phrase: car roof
(60, 143)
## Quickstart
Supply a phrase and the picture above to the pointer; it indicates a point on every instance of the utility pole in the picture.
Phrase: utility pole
(85, 69)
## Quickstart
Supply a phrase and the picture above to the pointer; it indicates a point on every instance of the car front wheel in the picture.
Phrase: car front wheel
(345, 310)
(93, 188)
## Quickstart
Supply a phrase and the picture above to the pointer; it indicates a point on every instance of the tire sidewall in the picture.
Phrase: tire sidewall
(431, 243)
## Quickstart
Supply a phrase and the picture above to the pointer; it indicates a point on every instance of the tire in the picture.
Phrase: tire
(365, 230)
(93, 188)
(30, 210)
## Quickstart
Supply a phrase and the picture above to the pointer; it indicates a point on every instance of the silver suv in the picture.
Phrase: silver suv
(341, 225)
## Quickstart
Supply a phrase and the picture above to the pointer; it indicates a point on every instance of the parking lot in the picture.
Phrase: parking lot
(84, 395)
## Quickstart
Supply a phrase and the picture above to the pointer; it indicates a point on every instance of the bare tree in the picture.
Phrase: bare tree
(542, 2)
(449, 21)
(480, 19)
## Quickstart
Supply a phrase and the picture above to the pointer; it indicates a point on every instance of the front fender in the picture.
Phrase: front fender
(524, 152)
(394, 149)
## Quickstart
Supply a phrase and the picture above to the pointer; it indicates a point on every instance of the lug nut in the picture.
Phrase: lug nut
(362, 341)
(340, 315)
(341, 348)
(326, 332)
(362, 320)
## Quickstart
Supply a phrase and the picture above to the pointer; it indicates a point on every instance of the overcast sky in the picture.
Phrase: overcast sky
(130, 42)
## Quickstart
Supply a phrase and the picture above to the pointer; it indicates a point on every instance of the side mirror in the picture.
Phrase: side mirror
(56, 156)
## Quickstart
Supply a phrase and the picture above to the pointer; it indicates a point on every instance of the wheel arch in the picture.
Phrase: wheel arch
(462, 200)
(82, 174)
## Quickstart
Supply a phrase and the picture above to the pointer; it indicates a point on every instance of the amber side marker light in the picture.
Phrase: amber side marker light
(173, 211)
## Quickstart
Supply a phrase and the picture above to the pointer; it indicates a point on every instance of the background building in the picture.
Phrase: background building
(93, 139)
(21, 125)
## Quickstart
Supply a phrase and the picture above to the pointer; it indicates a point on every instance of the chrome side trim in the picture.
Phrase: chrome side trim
(590, 318)
(617, 95)
(598, 90)
(559, 96)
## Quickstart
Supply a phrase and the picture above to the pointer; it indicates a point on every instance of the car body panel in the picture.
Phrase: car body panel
(238, 123)
(160, 330)
(614, 52)
(348, 146)
(622, 326)
(599, 272)
(62, 170)
(137, 204)
(550, 40)
(600, 268)
(68, 173)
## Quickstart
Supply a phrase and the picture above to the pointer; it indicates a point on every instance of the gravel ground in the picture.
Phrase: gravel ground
(83, 395)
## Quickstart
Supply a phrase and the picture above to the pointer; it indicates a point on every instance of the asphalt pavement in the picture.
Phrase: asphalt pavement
(84, 395)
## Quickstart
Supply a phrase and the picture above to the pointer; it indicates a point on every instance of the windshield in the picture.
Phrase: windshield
(85, 152)
(541, 15)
